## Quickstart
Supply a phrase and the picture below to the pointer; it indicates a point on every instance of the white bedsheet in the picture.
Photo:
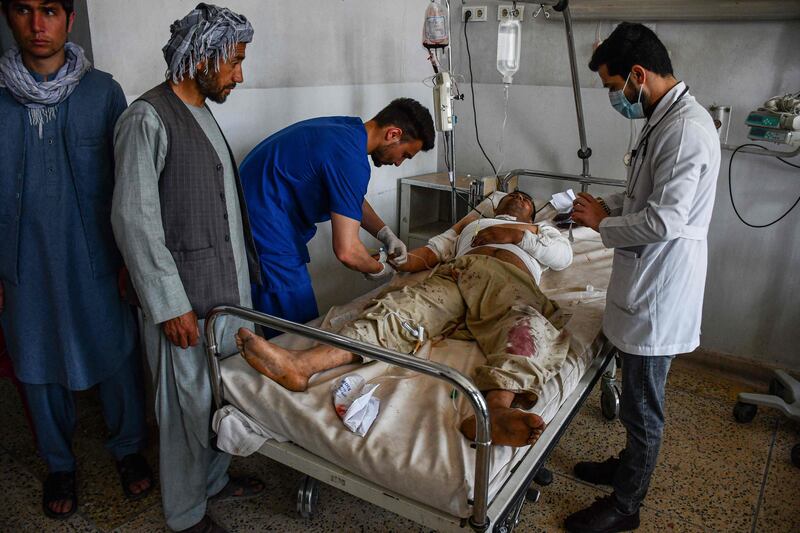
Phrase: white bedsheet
(414, 447)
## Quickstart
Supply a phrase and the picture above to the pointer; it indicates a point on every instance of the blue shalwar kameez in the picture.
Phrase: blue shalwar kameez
(292, 181)
(66, 328)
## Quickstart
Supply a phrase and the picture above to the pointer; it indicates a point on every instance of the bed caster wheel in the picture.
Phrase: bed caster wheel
(744, 412)
(543, 477)
(533, 495)
(511, 521)
(609, 402)
(307, 497)
(796, 455)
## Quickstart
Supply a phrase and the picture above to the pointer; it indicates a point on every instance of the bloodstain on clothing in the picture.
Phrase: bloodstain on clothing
(520, 340)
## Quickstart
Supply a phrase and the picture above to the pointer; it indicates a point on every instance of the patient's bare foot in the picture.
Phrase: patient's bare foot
(276, 363)
(510, 427)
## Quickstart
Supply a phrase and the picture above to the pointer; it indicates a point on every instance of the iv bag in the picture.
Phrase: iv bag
(435, 32)
(509, 34)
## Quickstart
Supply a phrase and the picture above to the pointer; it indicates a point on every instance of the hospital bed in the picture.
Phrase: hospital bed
(414, 461)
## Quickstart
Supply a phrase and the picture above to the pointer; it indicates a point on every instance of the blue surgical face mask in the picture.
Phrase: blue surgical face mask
(620, 102)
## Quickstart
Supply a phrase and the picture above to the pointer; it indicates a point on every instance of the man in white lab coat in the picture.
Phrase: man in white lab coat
(658, 229)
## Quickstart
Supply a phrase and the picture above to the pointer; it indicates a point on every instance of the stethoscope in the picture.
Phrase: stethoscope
(641, 147)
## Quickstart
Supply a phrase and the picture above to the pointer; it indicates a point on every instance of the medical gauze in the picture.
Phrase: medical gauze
(355, 404)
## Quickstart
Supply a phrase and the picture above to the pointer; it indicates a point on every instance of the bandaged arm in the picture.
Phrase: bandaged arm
(439, 249)
(444, 245)
(549, 247)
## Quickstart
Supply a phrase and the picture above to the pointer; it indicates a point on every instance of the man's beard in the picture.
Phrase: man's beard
(379, 157)
(210, 87)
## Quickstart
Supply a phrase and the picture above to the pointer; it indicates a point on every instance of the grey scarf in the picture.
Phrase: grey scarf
(41, 98)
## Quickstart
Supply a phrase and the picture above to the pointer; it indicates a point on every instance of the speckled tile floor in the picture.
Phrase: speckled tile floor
(713, 474)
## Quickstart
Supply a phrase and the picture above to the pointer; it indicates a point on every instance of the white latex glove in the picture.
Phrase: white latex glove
(396, 248)
(385, 273)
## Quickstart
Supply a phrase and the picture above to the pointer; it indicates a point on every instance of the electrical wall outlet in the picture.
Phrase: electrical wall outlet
(477, 13)
(505, 11)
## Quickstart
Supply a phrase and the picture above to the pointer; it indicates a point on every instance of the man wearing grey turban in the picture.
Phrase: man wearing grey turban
(181, 223)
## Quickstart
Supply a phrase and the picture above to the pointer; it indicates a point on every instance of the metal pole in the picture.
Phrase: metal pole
(451, 173)
(585, 152)
(450, 33)
(213, 360)
(451, 145)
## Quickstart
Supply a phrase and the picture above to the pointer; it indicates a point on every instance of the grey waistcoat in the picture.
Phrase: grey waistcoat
(193, 212)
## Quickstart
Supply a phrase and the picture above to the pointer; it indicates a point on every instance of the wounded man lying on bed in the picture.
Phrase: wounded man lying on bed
(487, 280)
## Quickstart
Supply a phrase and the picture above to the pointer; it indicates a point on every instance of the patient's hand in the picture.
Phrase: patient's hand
(588, 211)
(498, 235)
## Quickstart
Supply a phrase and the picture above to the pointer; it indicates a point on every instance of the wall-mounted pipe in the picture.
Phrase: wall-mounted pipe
(705, 10)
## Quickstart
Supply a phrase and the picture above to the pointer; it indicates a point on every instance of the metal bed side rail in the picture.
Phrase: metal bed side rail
(583, 180)
(334, 475)
(483, 442)
(513, 491)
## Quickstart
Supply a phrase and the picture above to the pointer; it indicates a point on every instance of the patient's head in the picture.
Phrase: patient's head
(517, 204)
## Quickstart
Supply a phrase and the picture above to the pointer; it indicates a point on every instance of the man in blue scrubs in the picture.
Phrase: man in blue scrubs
(318, 170)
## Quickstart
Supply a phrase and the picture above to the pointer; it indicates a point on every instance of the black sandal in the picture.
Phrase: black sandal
(206, 525)
(59, 486)
(134, 468)
(246, 487)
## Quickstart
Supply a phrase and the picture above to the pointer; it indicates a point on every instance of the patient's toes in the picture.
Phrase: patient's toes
(534, 421)
(515, 427)
(272, 361)
(510, 427)
(244, 335)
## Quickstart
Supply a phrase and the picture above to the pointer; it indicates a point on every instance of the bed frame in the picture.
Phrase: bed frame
(500, 514)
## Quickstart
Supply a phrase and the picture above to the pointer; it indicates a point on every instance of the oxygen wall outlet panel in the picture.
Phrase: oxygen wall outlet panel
(477, 13)
(505, 11)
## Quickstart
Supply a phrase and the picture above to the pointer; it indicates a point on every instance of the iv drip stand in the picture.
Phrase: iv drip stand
(449, 135)
(584, 153)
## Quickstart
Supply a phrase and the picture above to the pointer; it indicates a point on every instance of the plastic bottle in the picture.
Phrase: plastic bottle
(435, 32)
(509, 34)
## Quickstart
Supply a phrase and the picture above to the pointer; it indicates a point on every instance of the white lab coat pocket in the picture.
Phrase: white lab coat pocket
(624, 288)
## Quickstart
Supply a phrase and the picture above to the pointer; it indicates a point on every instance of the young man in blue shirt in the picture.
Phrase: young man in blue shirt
(66, 324)
(318, 170)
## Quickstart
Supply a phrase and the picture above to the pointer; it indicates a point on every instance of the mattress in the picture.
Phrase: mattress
(414, 447)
